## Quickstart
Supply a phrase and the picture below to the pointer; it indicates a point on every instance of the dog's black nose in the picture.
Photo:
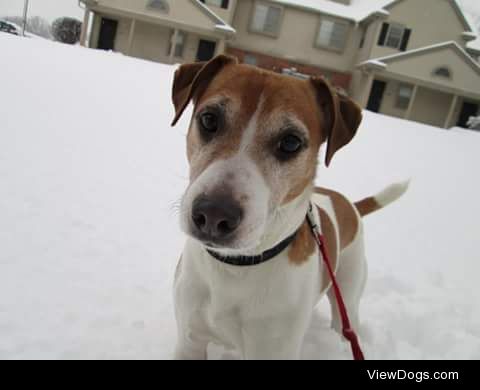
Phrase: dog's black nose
(216, 217)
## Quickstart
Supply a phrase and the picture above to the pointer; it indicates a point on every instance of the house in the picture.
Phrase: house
(411, 59)
(159, 30)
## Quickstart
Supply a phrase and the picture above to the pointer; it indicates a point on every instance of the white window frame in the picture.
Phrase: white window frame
(215, 3)
(403, 102)
(391, 27)
(329, 46)
(182, 37)
(252, 27)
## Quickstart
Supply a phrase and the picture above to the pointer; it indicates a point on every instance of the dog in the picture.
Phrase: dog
(250, 274)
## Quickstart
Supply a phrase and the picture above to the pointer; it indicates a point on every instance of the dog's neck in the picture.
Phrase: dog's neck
(285, 221)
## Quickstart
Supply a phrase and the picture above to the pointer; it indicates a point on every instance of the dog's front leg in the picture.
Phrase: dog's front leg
(193, 337)
(190, 298)
(279, 338)
(189, 348)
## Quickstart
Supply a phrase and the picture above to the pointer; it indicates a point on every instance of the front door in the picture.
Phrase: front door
(108, 32)
(206, 50)
(468, 110)
(376, 96)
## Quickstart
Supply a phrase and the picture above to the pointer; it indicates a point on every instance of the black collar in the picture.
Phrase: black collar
(244, 261)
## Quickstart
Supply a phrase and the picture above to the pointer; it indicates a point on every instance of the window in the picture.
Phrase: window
(159, 5)
(332, 34)
(394, 36)
(443, 71)
(266, 19)
(179, 44)
(250, 59)
(217, 3)
(404, 96)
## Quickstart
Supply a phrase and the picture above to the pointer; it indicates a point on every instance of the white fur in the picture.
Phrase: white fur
(244, 179)
(263, 312)
(392, 193)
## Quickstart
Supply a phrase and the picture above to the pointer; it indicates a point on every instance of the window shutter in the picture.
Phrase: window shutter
(383, 34)
(225, 4)
(405, 39)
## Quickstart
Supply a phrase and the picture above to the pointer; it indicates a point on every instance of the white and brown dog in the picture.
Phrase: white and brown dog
(250, 275)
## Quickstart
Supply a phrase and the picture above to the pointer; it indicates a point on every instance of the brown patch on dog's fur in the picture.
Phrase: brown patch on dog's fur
(303, 246)
(243, 86)
(297, 99)
(367, 206)
(345, 214)
(232, 84)
(324, 112)
(330, 235)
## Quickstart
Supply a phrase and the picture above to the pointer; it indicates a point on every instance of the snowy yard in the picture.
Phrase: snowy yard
(90, 172)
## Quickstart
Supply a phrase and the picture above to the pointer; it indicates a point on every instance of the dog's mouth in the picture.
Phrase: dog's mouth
(231, 245)
(217, 245)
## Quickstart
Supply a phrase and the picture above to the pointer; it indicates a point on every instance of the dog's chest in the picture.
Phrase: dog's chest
(228, 300)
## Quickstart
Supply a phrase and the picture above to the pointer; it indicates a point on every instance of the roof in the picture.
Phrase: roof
(357, 11)
(221, 24)
(382, 61)
(360, 10)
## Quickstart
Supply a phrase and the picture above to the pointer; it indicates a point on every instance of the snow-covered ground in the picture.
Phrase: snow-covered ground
(90, 173)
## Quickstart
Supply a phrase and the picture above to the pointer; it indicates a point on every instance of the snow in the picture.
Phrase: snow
(357, 11)
(380, 62)
(91, 174)
(225, 28)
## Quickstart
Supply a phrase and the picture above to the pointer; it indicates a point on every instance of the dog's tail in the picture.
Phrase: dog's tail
(388, 195)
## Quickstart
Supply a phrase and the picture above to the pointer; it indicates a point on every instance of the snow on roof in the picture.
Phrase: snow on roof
(357, 11)
(381, 61)
(474, 45)
(225, 28)
(221, 24)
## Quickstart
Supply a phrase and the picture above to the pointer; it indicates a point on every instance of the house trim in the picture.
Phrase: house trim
(411, 53)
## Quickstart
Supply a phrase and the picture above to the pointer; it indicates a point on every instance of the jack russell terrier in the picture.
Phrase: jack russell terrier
(250, 275)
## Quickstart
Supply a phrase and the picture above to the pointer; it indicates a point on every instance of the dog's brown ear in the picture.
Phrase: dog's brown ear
(342, 116)
(191, 80)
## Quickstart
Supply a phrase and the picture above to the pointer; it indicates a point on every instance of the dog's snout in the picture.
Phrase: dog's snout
(216, 217)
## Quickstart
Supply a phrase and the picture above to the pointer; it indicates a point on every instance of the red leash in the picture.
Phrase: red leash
(347, 330)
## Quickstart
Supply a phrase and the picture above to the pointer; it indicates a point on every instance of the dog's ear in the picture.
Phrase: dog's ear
(191, 80)
(342, 116)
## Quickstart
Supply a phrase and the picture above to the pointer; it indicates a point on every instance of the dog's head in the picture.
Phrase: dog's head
(253, 147)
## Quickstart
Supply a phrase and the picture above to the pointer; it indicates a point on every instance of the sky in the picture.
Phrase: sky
(51, 9)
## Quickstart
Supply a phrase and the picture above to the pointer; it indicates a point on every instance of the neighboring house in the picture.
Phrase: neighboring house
(406, 58)
(168, 31)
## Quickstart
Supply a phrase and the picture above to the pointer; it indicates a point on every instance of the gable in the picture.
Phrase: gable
(188, 12)
(433, 21)
(431, 6)
(423, 64)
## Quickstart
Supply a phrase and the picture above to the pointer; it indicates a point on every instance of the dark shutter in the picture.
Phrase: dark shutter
(225, 4)
(383, 34)
(405, 39)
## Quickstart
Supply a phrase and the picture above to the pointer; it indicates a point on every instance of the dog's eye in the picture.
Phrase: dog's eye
(209, 122)
(289, 146)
